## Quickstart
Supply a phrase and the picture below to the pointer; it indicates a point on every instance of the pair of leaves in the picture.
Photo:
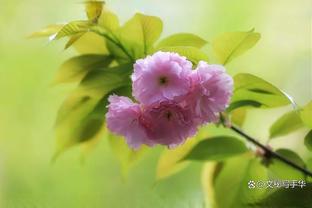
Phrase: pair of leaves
(252, 91)
(195, 149)
(81, 117)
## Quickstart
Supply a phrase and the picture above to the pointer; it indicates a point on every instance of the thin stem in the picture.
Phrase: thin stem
(270, 153)
(116, 42)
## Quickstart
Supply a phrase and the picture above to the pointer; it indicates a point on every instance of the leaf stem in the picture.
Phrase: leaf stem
(270, 153)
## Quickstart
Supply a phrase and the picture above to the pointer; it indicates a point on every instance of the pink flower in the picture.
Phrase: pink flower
(170, 124)
(211, 92)
(124, 118)
(160, 77)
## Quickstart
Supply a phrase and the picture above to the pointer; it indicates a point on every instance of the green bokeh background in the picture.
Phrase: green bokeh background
(29, 103)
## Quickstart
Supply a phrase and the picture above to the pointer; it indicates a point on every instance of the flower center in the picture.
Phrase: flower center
(163, 80)
(168, 115)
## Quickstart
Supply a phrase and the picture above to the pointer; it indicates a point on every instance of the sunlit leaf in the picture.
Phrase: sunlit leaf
(91, 43)
(287, 197)
(139, 33)
(73, 39)
(191, 53)
(306, 115)
(254, 89)
(279, 170)
(308, 140)
(76, 68)
(170, 160)
(73, 28)
(127, 157)
(238, 116)
(286, 124)
(182, 39)
(216, 149)
(94, 9)
(229, 45)
(108, 20)
(231, 188)
(47, 31)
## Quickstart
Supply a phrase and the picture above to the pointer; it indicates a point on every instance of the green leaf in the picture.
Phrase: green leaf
(73, 28)
(99, 82)
(81, 116)
(238, 116)
(76, 68)
(191, 53)
(281, 171)
(286, 124)
(139, 33)
(231, 183)
(169, 161)
(182, 39)
(216, 149)
(229, 45)
(94, 9)
(126, 156)
(50, 30)
(306, 115)
(243, 103)
(91, 43)
(108, 20)
(287, 197)
(73, 39)
(308, 140)
(252, 88)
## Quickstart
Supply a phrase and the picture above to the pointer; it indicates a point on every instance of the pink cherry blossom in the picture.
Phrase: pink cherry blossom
(160, 77)
(211, 92)
(124, 118)
(170, 123)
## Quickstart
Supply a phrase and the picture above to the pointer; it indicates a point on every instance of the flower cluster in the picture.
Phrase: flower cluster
(173, 100)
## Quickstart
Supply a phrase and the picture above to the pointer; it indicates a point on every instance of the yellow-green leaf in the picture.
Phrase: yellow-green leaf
(286, 124)
(139, 33)
(74, 69)
(47, 31)
(238, 116)
(108, 20)
(252, 88)
(306, 115)
(182, 39)
(91, 43)
(308, 140)
(282, 171)
(216, 149)
(231, 185)
(191, 53)
(229, 45)
(170, 163)
(81, 116)
(73, 39)
(73, 28)
(94, 9)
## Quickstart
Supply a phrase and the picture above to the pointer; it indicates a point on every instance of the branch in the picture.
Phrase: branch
(269, 153)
